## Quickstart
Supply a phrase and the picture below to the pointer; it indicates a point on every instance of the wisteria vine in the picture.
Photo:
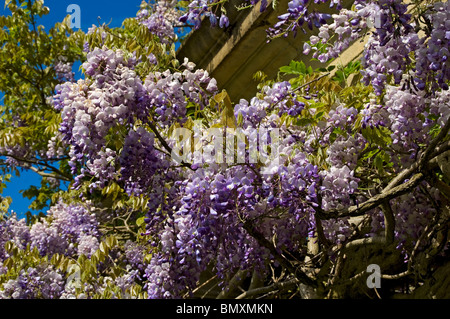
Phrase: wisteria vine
(242, 218)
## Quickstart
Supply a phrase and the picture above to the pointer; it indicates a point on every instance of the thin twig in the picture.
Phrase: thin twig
(61, 175)
(167, 147)
(234, 283)
(358, 210)
(202, 285)
(430, 152)
(274, 287)
(300, 275)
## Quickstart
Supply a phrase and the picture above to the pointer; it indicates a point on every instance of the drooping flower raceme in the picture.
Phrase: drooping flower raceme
(205, 215)
(68, 230)
(161, 19)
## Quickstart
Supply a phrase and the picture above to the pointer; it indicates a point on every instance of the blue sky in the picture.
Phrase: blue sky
(112, 12)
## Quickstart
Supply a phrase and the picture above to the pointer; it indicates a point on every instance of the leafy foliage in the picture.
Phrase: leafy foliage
(339, 167)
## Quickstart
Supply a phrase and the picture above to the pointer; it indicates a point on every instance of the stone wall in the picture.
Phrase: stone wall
(233, 55)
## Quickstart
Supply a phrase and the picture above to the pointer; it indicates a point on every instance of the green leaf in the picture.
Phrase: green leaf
(339, 76)
(318, 115)
(285, 69)
(303, 122)
(378, 162)
(140, 221)
(296, 68)
(370, 154)
(103, 248)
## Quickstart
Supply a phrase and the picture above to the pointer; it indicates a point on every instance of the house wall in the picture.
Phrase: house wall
(233, 55)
